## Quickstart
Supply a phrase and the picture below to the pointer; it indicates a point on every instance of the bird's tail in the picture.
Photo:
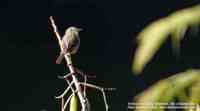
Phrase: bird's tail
(59, 59)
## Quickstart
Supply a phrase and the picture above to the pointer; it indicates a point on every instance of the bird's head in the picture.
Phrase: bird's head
(73, 29)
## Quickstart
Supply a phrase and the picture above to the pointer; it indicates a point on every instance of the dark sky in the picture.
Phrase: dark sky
(29, 50)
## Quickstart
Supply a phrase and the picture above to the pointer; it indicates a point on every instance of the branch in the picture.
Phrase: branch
(78, 71)
(65, 92)
(70, 87)
(85, 81)
(56, 32)
(68, 99)
(69, 64)
(83, 74)
(102, 91)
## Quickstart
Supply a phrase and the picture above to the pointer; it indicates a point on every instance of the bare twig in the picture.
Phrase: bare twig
(66, 76)
(65, 92)
(56, 32)
(85, 81)
(78, 71)
(68, 99)
(102, 91)
(83, 74)
(71, 86)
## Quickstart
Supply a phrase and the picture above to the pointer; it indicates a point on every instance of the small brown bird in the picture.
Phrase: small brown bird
(70, 42)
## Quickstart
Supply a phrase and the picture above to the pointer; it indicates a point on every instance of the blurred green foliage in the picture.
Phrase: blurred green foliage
(181, 87)
(155, 34)
(164, 91)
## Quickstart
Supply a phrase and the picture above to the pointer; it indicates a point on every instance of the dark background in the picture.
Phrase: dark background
(28, 50)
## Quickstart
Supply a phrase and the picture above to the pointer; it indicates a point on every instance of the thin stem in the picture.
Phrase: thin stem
(56, 32)
(70, 87)
(65, 92)
(62, 103)
(68, 99)
(102, 91)
(83, 74)
(66, 76)
(85, 80)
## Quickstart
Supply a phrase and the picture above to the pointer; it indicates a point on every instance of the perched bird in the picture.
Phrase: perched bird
(70, 42)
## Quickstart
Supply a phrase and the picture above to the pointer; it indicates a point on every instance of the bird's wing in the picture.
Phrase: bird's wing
(73, 44)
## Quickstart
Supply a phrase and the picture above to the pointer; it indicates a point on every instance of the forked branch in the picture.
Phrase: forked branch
(75, 82)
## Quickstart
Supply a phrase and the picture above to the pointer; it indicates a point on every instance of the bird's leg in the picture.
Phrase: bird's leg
(102, 91)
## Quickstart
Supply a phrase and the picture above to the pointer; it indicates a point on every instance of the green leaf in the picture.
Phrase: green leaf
(74, 103)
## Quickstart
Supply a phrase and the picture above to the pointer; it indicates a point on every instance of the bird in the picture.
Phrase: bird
(70, 42)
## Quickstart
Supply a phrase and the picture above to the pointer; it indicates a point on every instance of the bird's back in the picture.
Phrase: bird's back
(71, 41)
